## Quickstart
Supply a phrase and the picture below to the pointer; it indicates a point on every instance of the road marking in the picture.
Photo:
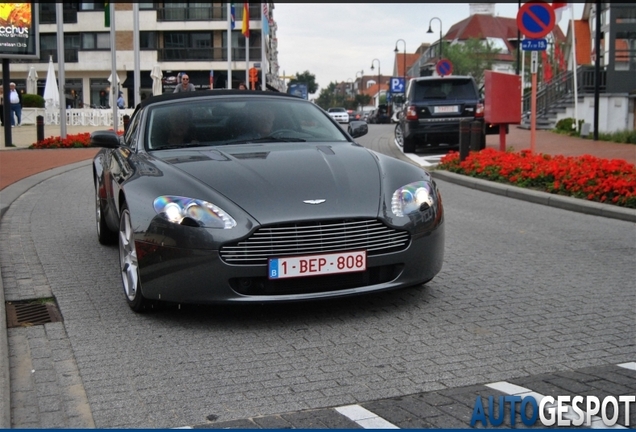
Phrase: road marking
(425, 161)
(515, 390)
(630, 365)
(365, 418)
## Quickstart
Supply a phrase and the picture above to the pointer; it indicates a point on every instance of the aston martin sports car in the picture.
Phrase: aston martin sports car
(228, 196)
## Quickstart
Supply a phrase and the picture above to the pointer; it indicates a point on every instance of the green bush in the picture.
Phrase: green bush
(565, 125)
(32, 101)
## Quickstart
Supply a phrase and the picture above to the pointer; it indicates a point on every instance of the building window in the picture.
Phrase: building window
(625, 51)
(187, 46)
(148, 40)
(146, 6)
(95, 41)
(91, 6)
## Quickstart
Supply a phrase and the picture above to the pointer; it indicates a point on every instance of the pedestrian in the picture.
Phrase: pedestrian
(1, 105)
(242, 86)
(121, 104)
(185, 85)
(15, 99)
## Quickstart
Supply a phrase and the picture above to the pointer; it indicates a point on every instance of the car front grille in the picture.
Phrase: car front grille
(315, 238)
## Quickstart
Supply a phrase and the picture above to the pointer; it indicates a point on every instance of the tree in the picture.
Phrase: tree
(471, 57)
(306, 78)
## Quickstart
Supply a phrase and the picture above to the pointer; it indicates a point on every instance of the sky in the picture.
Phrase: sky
(334, 41)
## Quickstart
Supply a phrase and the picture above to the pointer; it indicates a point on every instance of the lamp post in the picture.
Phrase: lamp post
(440, 33)
(361, 75)
(379, 77)
(404, 63)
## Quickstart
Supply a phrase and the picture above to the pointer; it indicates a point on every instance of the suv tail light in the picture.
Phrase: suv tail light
(479, 110)
(411, 112)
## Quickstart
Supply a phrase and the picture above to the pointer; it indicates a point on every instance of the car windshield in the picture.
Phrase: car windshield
(337, 110)
(445, 89)
(213, 121)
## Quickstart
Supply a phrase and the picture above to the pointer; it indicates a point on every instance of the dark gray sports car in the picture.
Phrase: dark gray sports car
(240, 196)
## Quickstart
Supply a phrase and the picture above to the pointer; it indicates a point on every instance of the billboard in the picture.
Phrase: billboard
(19, 30)
(298, 89)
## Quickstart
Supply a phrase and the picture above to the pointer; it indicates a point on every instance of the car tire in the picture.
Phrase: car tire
(409, 145)
(104, 234)
(399, 137)
(129, 265)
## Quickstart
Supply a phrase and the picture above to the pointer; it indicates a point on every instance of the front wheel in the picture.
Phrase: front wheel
(399, 136)
(129, 264)
(104, 234)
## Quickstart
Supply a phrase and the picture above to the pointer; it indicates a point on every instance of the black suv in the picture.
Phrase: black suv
(433, 109)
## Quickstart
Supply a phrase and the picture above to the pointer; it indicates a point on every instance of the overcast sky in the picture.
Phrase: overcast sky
(333, 41)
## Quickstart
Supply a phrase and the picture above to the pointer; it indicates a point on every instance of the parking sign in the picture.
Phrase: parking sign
(397, 85)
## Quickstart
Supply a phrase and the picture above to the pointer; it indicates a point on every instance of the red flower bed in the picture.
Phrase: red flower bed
(76, 140)
(587, 177)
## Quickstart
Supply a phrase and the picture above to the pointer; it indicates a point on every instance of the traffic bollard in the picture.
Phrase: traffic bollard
(39, 123)
(464, 139)
(126, 122)
(475, 135)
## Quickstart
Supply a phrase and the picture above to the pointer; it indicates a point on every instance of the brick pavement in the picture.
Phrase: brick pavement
(44, 352)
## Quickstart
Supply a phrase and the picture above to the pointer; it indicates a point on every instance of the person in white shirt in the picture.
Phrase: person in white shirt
(15, 99)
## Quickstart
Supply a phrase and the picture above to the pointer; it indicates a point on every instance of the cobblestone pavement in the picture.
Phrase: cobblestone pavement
(537, 297)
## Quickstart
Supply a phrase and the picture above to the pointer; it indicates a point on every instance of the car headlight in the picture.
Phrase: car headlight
(412, 198)
(192, 212)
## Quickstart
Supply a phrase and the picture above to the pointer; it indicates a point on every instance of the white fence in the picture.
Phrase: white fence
(76, 117)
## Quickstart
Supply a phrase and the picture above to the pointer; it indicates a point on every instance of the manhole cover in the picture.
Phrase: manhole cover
(30, 313)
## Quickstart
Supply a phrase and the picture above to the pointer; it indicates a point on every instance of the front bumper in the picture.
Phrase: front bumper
(201, 276)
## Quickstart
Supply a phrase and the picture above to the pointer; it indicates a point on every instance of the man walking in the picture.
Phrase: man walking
(15, 99)
(185, 85)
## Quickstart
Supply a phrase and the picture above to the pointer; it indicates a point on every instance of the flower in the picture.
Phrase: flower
(587, 177)
(76, 140)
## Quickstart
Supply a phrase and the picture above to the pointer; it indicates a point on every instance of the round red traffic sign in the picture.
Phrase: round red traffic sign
(444, 67)
(535, 19)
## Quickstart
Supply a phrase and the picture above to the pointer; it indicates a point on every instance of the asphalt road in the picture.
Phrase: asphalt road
(525, 289)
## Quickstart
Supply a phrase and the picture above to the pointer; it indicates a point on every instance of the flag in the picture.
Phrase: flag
(265, 15)
(547, 67)
(246, 20)
(233, 16)
(558, 8)
(106, 14)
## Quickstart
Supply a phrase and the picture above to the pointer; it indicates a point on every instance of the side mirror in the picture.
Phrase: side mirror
(358, 128)
(106, 139)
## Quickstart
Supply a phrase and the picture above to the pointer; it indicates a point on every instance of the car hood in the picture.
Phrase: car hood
(277, 182)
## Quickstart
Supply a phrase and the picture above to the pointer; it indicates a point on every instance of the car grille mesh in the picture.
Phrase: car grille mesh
(315, 238)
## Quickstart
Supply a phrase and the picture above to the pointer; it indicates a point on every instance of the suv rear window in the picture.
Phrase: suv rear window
(444, 89)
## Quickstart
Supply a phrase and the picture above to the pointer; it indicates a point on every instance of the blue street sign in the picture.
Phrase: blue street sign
(535, 19)
(534, 45)
(397, 85)
(444, 67)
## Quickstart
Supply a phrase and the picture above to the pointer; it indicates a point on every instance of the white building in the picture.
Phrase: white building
(188, 37)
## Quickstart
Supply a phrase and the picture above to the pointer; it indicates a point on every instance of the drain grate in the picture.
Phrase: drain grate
(30, 313)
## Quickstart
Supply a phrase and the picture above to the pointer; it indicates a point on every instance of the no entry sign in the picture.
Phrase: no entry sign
(444, 67)
(535, 19)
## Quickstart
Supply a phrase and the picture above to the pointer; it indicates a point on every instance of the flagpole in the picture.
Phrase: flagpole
(246, 28)
(575, 71)
(229, 46)
(59, 16)
(136, 44)
(264, 19)
(114, 81)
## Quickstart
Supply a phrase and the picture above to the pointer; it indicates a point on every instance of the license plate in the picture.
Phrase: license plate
(446, 109)
(316, 265)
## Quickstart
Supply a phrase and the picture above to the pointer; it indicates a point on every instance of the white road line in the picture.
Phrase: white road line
(630, 365)
(365, 418)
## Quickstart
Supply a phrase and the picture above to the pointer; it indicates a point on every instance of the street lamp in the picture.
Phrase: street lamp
(396, 51)
(361, 76)
(379, 77)
(440, 33)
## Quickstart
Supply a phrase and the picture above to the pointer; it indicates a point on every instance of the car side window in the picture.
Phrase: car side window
(131, 136)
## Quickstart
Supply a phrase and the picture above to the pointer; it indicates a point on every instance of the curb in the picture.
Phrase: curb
(544, 198)
(7, 196)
